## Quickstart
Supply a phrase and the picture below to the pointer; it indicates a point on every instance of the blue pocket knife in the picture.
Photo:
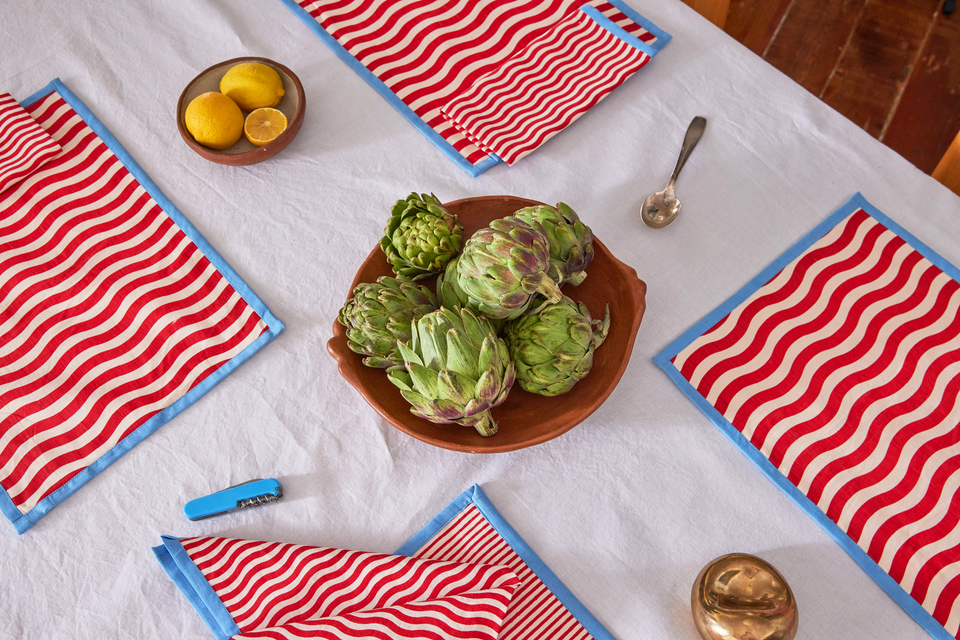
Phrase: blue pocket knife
(239, 496)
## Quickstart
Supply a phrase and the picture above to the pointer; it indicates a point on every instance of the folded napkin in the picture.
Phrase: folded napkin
(250, 589)
(837, 370)
(466, 575)
(424, 56)
(553, 81)
(24, 145)
(115, 314)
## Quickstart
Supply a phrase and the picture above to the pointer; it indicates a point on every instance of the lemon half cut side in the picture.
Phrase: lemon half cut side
(264, 125)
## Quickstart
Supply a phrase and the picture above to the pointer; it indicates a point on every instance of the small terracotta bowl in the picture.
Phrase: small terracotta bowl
(524, 419)
(244, 152)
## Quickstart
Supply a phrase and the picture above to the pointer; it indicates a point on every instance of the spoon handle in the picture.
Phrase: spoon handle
(694, 131)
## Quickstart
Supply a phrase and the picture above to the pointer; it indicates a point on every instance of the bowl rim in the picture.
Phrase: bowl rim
(339, 351)
(251, 156)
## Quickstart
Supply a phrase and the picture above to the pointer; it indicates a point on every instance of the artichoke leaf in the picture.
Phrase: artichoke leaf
(419, 403)
(401, 379)
(446, 410)
(376, 362)
(580, 331)
(487, 387)
(408, 354)
(493, 354)
(455, 387)
(476, 406)
(424, 379)
(601, 329)
(475, 328)
(433, 343)
(462, 355)
(509, 378)
(532, 353)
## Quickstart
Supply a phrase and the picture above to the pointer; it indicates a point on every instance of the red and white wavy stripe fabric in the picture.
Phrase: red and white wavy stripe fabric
(274, 590)
(428, 51)
(844, 371)
(538, 92)
(24, 145)
(535, 613)
(109, 313)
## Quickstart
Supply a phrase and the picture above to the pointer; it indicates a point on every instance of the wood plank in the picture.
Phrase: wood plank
(878, 60)
(713, 10)
(948, 169)
(928, 116)
(752, 23)
(812, 38)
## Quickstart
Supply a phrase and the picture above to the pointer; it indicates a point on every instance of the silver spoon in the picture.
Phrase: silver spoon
(662, 208)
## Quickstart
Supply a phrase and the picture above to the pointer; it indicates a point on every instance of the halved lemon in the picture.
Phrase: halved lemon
(264, 125)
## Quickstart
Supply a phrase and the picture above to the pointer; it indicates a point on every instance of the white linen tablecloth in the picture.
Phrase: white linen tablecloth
(628, 506)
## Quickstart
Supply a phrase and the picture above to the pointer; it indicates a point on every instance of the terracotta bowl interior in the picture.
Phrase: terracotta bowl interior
(524, 419)
(244, 152)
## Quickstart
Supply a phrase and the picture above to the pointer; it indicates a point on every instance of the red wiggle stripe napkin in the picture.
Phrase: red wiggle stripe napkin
(24, 146)
(545, 87)
(270, 590)
(467, 575)
(429, 57)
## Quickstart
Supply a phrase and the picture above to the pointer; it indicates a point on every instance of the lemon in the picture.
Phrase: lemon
(264, 125)
(214, 120)
(252, 85)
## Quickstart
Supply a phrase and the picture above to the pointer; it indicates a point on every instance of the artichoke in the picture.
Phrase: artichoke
(379, 314)
(553, 349)
(457, 369)
(504, 266)
(571, 241)
(450, 295)
(421, 236)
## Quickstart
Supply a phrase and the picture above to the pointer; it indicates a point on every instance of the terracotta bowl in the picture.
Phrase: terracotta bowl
(244, 152)
(524, 419)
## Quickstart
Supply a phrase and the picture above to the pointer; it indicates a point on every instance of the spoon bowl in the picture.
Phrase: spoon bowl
(661, 208)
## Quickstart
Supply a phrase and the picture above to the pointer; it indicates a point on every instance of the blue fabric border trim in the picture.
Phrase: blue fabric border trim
(610, 26)
(476, 496)
(22, 522)
(195, 588)
(385, 91)
(11, 512)
(662, 360)
(51, 86)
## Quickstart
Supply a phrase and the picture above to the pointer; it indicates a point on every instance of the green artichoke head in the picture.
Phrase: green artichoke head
(456, 369)
(421, 236)
(571, 241)
(553, 349)
(379, 314)
(505, 269)
(450, 295)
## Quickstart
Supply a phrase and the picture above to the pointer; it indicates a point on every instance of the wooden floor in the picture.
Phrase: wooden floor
(891, 66)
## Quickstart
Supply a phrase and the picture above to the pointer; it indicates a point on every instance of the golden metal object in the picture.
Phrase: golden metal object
(741, 597)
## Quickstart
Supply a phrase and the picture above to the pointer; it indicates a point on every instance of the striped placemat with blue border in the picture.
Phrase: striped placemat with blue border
(116, 313)
(836, 370)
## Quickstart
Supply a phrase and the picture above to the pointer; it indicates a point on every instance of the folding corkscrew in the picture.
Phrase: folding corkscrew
(239, 496)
